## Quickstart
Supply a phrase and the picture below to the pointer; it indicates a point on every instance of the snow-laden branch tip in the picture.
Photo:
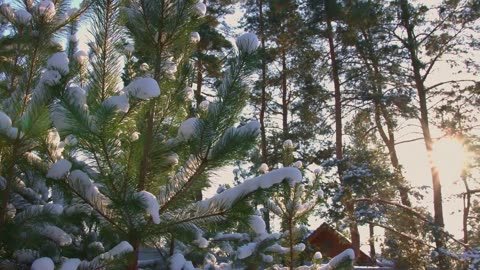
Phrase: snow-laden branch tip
(230, 196)
(200, 9)
(143, 88)
(151, 205)
(43, 263)
(59, 169)
(247, 43)
(59, 61)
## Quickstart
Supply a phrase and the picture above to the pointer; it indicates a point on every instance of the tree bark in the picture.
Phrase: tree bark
(284, 94)
(263, 104)
(411, 46)
(349, 202)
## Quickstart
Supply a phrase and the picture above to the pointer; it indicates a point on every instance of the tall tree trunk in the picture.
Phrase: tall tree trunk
(466, 208)
(284, 94)
(411, 45)
(349, 202)
(371, 241)
(382, 112)
(263, 104)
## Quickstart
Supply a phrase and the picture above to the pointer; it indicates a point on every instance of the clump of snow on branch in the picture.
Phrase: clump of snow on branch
(298, 164)
(177, 261)
(288, 144)
(46, 8)
(151, 204)
(144, 88)
(229, 196)
(194, 37)
(56, 234)
(257, 224)
(188, 129)
(200, 9)
(43, 263)
(252, 127)
(81, 57)
(246, 250)
(118, 103)
(70, 264)
(5, 122)
(188, 93)
(247, 43)
(203, 106)
(263, 168)
(22, 16)
(58, 61)
(59, 169)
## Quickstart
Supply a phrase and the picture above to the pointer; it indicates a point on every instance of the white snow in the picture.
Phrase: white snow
(299, 248)
(257, 224)
(267, 258)
(50, 77)
(298, 164)
(59, 62)
(134, 136)
(59, 169)
(188, 93)
(46, 8)
(173, 158)
(70, 264)
(320, 194)
(263, 168)
(276, 248)
(252, 127)
(5, 122)
(246, 250)
(288, 144)
(177, 261)
(71, 140)
(151, 204)
(169, 67)
(144, 67)
(77, 95)
(229, 196)
(200, 9)
(118, 103)
(121, 248)
(43, 263)
(22, 16)
(346, 254)
(57, 235)
(144, 88)
(81, 57)
(74, 37)
(317, 171)
(12, 133)
(129, 48)
(317, 255)
(188, 266)
(188, 128)
(203, 106)
(53, 208)
(247, 43)
(194, 37)
(201, 241)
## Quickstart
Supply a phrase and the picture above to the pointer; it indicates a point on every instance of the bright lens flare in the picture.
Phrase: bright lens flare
(450, 157)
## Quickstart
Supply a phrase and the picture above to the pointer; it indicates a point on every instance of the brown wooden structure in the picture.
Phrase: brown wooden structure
(330, 243)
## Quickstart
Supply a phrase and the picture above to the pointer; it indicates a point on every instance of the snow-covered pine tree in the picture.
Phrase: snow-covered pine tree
(30, 224)
(87, 184)
(292, 203)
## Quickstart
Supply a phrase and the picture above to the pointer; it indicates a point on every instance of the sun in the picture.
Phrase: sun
(450, 157)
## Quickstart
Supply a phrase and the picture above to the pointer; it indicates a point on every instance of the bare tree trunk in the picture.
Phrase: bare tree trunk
(349, 202)
(466, 208)
(284, 94)
(371, 241)
(263, 105)
(443, 262)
